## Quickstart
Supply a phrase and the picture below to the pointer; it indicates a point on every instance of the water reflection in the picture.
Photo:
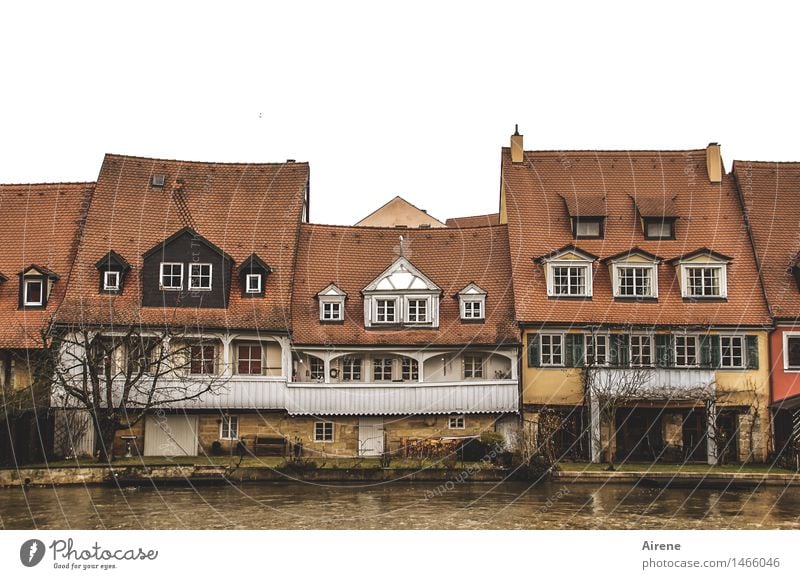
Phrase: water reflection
(399, 506)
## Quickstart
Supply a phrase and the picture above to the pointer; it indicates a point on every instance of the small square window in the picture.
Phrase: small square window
(171, 277)
(417, 311)
(385, 311)
(229, 428)
(588, 228)
(253, 283)
(111, 280)
(456, 422)
(200, 276)
(323, 432)
(659, 229)
(332, 311)
(472, 309)
(34, 292)
(473, 366)
(250, 359)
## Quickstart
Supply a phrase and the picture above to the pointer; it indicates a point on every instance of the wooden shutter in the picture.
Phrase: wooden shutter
(619, 345)
(573, 350)
(534, 360)
(716, 352)
(663, 350)
(752, 351)
(705, 351)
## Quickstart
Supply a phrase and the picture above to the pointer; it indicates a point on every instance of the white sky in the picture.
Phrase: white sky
(397, 98)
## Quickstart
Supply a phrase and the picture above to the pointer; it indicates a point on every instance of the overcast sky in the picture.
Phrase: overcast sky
(403, 98)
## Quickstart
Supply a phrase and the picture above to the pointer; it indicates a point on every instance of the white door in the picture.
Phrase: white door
(173, 435)
(508, 426)
(370, 436)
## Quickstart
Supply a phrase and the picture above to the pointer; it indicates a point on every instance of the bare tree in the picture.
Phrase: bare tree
(120, 376)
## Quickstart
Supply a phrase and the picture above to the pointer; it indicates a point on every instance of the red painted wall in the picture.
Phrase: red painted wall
(784, 384)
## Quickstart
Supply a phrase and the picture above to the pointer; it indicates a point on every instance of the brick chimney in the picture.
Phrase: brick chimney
(714, 163)
(516, 146)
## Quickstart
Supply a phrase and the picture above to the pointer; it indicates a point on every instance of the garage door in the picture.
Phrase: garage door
(173, 435)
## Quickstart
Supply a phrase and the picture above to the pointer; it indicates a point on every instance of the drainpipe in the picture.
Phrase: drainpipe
(711, 443)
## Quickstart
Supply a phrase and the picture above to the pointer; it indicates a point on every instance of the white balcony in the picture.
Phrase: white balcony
(674, 383)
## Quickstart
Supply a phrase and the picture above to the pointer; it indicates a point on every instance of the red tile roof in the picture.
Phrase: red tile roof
(656, 206)
(771, 196)
(585, 205)
(709, 216)
(352, 257)
(474, 220)
(39, 225)
(240, 208)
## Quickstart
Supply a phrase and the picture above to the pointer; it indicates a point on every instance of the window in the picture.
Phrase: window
(552, 351)
(229, 428)
(203, 358)
(385, 311)
(635, 281)
(473, 366)
(171, 276)
(569, 280)
(588, 228)
(417, 311)
(381, 369)
(658, 229)
(704, 282)
(410, 369)
(200, 276)
(331, 311)
(596, 349)
(34, 292)
(323, 432)
(641, 351)
(252, 283)
(111, 280)
(250, 359)
(791, 351)
(351, 369)
(456, 422)
(472, 309)
(732, 351)
(317, 368)
(685, 351)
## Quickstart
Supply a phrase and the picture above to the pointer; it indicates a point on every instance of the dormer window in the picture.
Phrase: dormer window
(417, 311)
(171, 276)
(401, 295)
(587, 214)
(568, 272)
(634, 274)
(657, 214)
(472, 303)
(331, 304)
(35, 284)
(111, 281)
(199, 276)
(253, 283)
(112, 268)
(385, 311)
(33, 292)
(587, 228)
(703, 274)
(659, 228)
(253, 274)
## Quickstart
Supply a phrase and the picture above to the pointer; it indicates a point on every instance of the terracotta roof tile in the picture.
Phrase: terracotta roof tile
(710, 216)
(352, 257)
(656, 206)
(585, 205)
(474, 220)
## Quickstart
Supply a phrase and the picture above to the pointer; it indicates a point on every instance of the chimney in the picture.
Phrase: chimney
(516, 146)
(714, 163)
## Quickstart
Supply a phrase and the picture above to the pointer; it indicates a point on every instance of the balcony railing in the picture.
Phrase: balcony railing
(654, 382)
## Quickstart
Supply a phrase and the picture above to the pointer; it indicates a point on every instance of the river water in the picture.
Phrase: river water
(510, 505)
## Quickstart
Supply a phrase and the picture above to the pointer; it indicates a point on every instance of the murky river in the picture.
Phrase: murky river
(400, 506)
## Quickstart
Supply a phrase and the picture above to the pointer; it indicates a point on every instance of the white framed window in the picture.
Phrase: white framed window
(386, 311)
(791, 351)
(111, 280)
(596, 349)
(472, 309)
(473, 366)
(569, 280)
(316, 369)
(253, 283)
(331, 311)
(323, 432)
(410, 369)
(635, 281)
(229, 428)
(417, 310)
(552, 349)
(704, 281)
(171, 276)
(686, 353)
(351, 369)
(33, 292)
(732, 351)
(456, 422)
(641, 350)
(200, 276)
(382, 369)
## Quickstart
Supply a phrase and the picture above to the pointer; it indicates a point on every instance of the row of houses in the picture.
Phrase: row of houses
(620, 305)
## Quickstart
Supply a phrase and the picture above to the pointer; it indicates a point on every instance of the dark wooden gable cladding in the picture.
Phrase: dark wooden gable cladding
(253, 265)
(112, 261)
(186, 247)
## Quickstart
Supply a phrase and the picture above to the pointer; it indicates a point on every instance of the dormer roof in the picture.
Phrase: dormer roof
(636, 251)
(585, 205)
(566, 251)
(254, 264)
(703, 251)
(41, 270)
(655, 206)
(112, 260)
(401, 276)
(332, 290)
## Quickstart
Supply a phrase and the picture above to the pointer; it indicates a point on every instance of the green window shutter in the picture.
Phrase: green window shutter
(752, 351)
(663, 350)
(705, 351)
(534, 360)
(716, 355)
(573, 350)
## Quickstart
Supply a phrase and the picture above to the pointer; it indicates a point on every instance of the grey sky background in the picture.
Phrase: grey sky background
(389, 99)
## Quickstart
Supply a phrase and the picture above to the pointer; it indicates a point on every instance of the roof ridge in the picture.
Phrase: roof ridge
(609, 151)
(441, 230)
(230, 163)
(48, 183)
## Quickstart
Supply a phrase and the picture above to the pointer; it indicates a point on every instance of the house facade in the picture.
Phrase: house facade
(635, 281)
(770, 193)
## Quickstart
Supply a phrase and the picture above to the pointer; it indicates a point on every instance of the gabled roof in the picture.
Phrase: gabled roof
(39, 224)
(630, 253)
(239, 208)
(41, 270)
(398, 212)
(585, 205)
(569, 248)
(474, 220)
(252, 263)
(354, 257)
(710, 216)
(770, 194)
(401, 276)
(111, 258)
(180, 233)
(697, 253)
(655, 206)
(472, 289)
(332, 290)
